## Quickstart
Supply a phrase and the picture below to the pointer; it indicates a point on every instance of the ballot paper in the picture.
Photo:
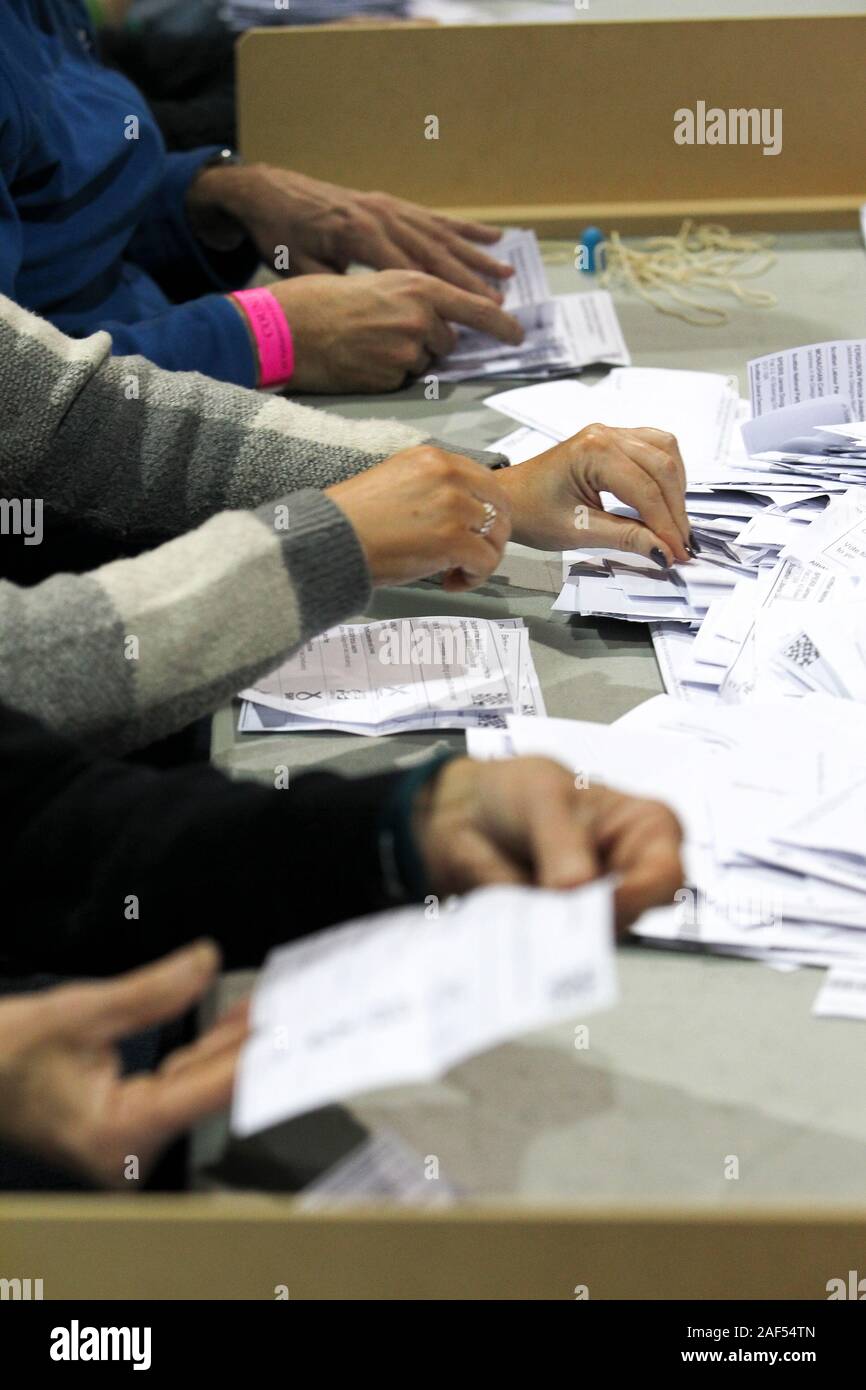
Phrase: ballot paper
(825, 564)
(700, 408)
(773, 849)
(562, 334)
(380, 1167)
(783, 379)
(842, 993)
(399, 675)
(402, 997)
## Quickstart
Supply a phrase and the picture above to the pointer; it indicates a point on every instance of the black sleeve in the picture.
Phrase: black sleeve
(105, 865)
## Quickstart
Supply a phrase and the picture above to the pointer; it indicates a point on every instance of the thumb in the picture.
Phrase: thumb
(116, 1008)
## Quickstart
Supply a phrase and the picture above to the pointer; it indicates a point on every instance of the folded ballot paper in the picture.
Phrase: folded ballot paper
(772, 800)
(400, 675)
(400, 997)
(562, 334)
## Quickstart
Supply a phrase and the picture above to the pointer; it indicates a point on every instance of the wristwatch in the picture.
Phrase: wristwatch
(223, 159)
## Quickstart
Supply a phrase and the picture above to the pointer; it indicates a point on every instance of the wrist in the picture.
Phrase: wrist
(402, 829)
(270, 335)
(224, 188)
(216, 204)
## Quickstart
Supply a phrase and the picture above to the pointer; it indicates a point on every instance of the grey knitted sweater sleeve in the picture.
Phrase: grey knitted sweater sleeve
(253, 561)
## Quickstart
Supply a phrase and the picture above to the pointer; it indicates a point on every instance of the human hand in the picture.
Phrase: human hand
(422, 512)
(372, 332)
(61, 1092)
(556, 503)
(523, 820)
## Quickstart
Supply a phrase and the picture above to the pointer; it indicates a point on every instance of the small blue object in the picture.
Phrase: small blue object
(590, 240)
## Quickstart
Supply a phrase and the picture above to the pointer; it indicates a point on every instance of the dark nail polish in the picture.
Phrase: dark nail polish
(691, 553)
(659, 557)
(695, 543)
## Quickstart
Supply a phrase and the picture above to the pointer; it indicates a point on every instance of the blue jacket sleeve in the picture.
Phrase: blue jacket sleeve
(207, 335)
(164, 244)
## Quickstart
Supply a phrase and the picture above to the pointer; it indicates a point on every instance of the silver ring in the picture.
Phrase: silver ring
(489, 519)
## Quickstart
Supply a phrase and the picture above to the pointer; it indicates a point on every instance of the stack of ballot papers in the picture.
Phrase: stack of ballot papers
(400, 998)
(775, 494)
(772, 800)
(562, 334)
(397, 676)
(800, 627)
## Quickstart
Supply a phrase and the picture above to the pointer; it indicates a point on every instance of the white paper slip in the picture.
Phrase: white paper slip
(522, 444)
(806, 373)
(383, 1166)
(774, 428)
(400, 997)
(398, 676)
(842, 994)
(700, 408)
(564, 333)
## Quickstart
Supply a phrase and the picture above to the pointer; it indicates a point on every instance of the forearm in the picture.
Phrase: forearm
(140, 648)
(147, 452)
(115, 865)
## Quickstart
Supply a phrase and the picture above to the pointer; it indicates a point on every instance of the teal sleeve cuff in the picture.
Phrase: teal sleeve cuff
(403, 871)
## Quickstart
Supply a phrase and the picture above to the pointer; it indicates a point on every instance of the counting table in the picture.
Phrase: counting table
(703, 1059)
(601, 1172)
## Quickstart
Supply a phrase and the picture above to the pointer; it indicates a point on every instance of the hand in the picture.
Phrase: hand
(61, 1094)
(420, 512)
(328, 228)
(371, 332)
(556, 503)
(522, 820)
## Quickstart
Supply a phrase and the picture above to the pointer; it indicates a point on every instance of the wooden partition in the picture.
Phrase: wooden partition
(558, 125)
(244, 1247)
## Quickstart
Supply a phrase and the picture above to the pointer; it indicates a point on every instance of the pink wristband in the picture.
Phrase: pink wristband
(273, 337)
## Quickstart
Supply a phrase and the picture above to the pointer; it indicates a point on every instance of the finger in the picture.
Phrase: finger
(119, 1007)
(374, 247)
(421, 361)
(641, 843)
(438, 259)
(224, 1033)
(560, 831)
(474, 311)
(661, 439)
(613, 532)
(619, 474)
(481, 483)
(441, 336)
(651, 880)
(462, 579)
(483, 516)
(173, 1103)
(663, 469)
(486, 265)
(476, 557)
(472, 231)
(479, 861)
(309, 265)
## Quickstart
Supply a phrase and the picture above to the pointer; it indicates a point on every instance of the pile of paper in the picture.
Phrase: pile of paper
(397, 676)
(772, 604)
(772, 799)
(401, 997)
(562, 334)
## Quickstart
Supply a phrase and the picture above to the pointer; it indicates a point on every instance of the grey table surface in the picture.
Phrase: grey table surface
(703, 1059)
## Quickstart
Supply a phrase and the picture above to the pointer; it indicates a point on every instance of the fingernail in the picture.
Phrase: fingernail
(658, 556)
(691, 553)
(694, 543)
